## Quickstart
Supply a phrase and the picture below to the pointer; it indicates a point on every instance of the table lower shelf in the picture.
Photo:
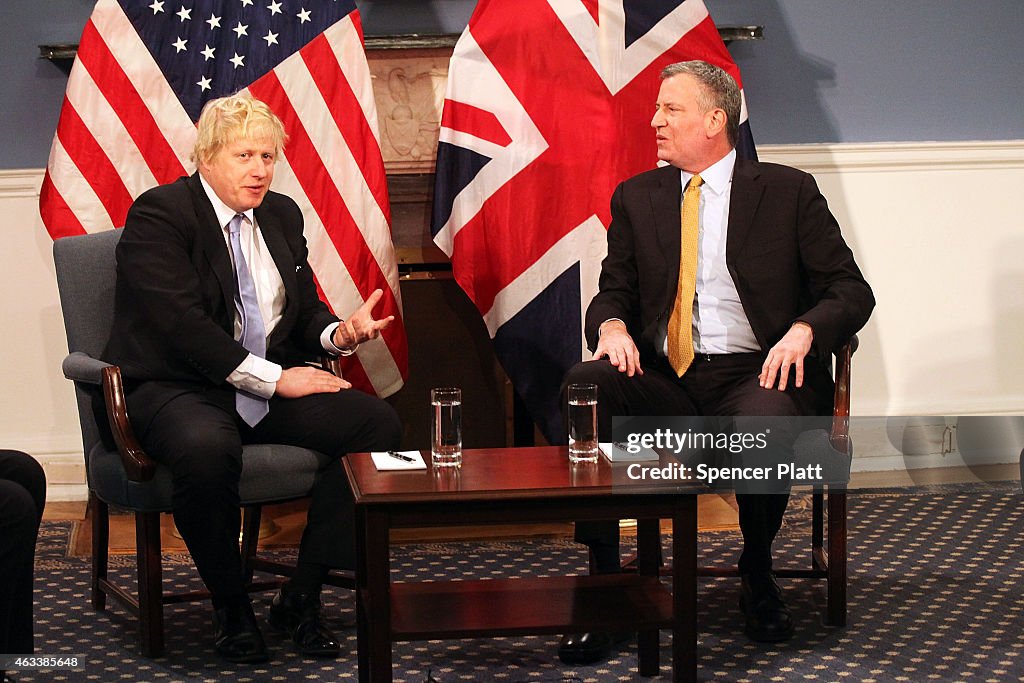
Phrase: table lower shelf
(509, 607)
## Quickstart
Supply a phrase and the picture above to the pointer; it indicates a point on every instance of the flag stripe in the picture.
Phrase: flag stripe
(110, 79)
(146, 78)
(110, 134)
(85, 152)
(480, 123)
(343, 168)
(57, 216)
(307, 165)
(352, 126)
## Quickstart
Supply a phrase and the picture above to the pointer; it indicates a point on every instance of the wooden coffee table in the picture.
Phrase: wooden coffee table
(521, 485)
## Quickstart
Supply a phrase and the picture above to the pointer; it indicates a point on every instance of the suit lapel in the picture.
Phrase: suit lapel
(747, 190)
(211, 237)
(273, 235)
(666, 196)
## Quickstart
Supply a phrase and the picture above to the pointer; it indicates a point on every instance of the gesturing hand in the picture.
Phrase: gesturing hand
(790, 351)
(618, 346)
(361, 326)
(306, 380)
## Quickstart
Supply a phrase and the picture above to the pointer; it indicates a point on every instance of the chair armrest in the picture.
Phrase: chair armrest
(81, 367)
(138, 465)
(840, 433)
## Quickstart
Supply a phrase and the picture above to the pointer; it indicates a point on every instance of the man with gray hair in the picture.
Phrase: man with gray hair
(726, 287)
(215, 314)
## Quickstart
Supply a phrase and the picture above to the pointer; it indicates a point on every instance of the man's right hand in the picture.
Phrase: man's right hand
(615, 344)
(306, 380)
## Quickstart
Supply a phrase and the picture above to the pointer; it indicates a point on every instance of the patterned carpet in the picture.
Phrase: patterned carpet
(936, 593)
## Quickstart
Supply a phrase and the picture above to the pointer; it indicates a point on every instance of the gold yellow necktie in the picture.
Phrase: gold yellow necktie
(680, 323)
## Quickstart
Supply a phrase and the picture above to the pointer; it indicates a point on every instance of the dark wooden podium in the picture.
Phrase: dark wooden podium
(503, 485)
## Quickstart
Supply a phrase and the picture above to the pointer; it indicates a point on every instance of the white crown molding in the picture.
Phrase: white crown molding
(897, 156)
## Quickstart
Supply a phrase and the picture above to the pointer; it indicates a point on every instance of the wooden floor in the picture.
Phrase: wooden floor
(284, 523)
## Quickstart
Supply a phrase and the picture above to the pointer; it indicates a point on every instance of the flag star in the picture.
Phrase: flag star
(179, 45)
(157, 6)
(274, 7)
(246, 3)
(203, 83)
(271, 38)
(303, 16)
(238, 60)
(241, 29)
(213, 21)
(185, 14)
(208, 53)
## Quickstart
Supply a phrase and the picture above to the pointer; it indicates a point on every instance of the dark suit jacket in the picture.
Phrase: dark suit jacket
(174, 302)
(784, 251)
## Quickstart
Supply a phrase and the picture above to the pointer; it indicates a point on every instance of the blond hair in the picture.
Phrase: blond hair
(227, 119)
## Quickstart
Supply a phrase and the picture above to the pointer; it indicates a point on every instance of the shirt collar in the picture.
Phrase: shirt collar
(224, 212)
(717, 176)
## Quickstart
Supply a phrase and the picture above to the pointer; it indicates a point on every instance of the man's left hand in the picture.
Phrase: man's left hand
(361, 326)
(790, 351)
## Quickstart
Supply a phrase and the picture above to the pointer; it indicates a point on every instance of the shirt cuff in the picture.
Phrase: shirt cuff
(256, 375)
(327, 341)
(607, 321)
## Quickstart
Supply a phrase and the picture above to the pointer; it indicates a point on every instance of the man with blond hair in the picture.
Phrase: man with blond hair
(215, 314)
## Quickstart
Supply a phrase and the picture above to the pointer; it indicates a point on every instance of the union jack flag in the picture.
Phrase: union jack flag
(547, 110)
(144, 70)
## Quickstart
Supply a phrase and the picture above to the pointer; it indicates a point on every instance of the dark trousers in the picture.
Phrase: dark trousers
(200, 436)
(22, 497)
(724, 386)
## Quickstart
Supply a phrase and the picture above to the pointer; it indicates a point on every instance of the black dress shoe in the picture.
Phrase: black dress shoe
(591, 647)
(237, 635)
(767, 618)
(298, 615)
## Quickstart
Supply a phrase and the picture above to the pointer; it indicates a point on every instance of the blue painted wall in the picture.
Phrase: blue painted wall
(827, 70)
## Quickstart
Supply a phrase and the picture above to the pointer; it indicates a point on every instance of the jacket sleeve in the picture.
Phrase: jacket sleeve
(842, 299)
(313, 314)
(618, 286)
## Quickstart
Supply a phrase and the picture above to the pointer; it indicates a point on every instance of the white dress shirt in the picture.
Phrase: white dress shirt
(254, 374)
(719, 322)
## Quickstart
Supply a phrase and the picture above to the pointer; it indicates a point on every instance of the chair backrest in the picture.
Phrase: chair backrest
(86, 276)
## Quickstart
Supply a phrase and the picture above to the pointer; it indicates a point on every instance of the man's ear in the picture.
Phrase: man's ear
(714, 122)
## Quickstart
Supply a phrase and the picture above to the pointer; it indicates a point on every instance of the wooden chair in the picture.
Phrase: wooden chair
(123, 475)
(828, 501)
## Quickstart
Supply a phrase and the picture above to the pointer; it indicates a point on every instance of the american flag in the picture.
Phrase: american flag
(144, 70)
(547, 110)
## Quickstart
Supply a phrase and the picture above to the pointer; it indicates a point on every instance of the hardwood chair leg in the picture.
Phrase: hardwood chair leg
(99, 516)
(817, 525)
(836, 611)
(251, 518)
(151, 608)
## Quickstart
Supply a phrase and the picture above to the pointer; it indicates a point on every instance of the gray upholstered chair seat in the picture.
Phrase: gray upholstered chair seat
(262, 480)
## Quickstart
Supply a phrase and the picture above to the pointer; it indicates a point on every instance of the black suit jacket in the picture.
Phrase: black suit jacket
(784, 251)
(174, 301)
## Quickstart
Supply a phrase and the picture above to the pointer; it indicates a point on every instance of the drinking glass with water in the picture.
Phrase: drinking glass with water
(446, 440)
(582, 422)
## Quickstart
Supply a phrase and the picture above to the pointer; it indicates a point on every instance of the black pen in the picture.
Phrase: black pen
(401, 456)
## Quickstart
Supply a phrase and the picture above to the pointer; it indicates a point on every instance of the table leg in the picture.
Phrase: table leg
(684, 589)
(377, 562)
(362, 621)
(648, 554)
